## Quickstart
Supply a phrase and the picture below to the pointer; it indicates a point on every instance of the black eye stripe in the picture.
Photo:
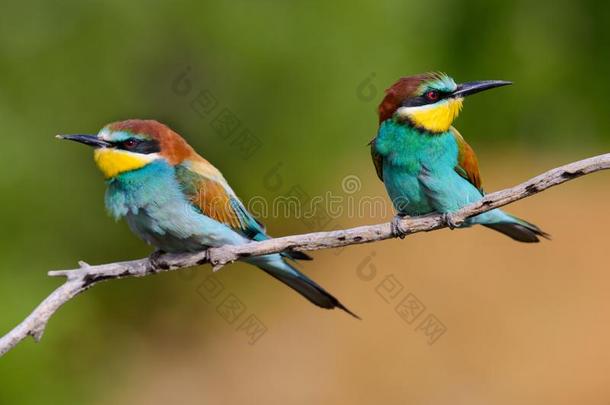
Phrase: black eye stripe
(140, 146)
(422, 100)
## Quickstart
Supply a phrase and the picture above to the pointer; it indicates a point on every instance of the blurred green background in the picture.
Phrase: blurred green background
(525, 324)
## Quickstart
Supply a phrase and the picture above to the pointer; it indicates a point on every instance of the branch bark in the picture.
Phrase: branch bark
(79, 280)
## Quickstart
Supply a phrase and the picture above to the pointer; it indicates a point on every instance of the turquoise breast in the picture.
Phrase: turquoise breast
(406, 153)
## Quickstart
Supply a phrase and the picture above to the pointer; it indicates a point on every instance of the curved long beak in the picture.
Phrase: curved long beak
(468, 88)
(91, 140)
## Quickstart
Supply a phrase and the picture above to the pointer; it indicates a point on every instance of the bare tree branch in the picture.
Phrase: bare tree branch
(85, 276)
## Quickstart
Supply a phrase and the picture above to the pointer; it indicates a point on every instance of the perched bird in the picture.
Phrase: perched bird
(175, 200)
(425, 164)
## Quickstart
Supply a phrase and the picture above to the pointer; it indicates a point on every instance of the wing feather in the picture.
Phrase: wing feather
(468, 164)
(377, 160)
(208, 191)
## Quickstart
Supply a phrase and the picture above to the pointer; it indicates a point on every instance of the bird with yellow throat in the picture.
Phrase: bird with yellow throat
(424, 162)
(177, 201)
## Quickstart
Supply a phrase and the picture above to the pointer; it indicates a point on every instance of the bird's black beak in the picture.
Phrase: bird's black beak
(468, 88)
(91, 140)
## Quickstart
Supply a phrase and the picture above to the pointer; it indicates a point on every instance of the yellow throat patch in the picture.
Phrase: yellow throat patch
(434, 117)
(113, 162)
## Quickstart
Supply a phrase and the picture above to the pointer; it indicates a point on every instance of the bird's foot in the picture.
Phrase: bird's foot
(448, 220)
(155, 259)
(398, 229)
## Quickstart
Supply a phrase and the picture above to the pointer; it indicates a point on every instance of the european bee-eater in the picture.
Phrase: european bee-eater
(175, 200)
(425, 164)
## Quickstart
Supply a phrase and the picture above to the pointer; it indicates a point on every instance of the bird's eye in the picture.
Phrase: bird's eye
(432, 95)
(130, 143)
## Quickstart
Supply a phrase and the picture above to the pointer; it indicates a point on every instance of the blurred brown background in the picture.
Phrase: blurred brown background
(509, 323)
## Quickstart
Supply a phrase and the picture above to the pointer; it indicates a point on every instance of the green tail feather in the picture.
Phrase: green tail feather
(296, 280)
(519, 230)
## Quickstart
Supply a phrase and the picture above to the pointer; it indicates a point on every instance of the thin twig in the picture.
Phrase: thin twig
(85, 276)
